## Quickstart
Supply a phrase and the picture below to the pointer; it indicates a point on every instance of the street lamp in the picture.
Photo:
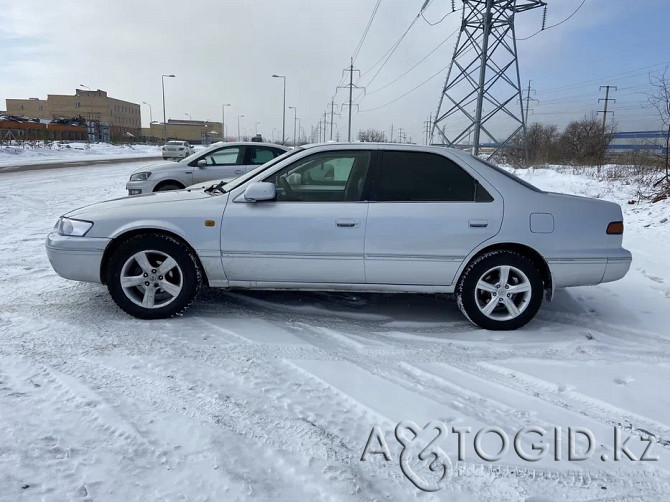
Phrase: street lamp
(283, 110)
(223, 121)
(151, 115)
(90, 108)
(238, 127)
(164, 121)
(295, 119)
(189, 116)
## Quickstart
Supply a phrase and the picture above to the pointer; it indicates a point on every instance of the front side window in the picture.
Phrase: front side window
(224, 157)
(422, 177)
(323, 177)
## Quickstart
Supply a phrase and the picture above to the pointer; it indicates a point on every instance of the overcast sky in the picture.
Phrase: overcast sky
(226, 52)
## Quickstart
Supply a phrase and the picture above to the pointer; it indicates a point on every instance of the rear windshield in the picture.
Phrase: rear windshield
(180, 143)
(511, 176)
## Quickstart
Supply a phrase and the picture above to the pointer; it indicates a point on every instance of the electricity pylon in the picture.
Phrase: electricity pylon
(483, 75)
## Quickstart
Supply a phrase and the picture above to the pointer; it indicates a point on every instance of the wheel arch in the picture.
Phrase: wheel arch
(129, 234)
(163, 183)
(524, 250)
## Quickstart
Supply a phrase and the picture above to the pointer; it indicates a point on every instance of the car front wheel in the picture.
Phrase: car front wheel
(500, 290)
(153, 276)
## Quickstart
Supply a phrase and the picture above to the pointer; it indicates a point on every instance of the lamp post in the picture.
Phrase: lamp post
(164, 121)
(295, 120)
(223, 121)
(90, 109)
(151, 115)
(189, 117)
(238, 127)
(283, 110)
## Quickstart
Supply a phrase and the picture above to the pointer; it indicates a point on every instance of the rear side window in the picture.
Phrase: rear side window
(424, 177)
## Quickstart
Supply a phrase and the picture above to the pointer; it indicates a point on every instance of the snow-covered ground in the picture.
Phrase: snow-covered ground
(273, 396)
(21, 155)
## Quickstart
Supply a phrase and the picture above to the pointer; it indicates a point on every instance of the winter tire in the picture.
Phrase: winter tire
(500, 290)
(153, 276)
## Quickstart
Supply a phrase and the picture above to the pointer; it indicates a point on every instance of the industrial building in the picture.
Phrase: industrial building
(108, 118)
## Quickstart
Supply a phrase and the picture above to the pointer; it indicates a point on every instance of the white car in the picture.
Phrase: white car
(176, 150)
(220, 160)
(349, 217)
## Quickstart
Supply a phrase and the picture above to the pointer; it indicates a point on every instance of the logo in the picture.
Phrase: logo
(421, 453)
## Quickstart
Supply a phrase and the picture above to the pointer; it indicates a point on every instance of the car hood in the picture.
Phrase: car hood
(160, 166)
(138, 201)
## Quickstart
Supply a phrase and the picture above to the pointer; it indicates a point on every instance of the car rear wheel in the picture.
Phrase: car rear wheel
(153, 276)
(500, 290)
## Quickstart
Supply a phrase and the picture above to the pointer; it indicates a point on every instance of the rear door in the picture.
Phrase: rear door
(426, 214)
(259, 155)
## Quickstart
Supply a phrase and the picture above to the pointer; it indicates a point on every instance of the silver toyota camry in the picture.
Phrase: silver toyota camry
(349, 217)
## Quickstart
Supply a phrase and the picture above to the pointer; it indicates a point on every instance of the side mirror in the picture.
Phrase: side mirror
(259, 191)
(202, 163)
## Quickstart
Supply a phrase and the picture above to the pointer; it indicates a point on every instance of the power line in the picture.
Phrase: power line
(408, 92)
(367, 28)
(417, 64)
(554, 25)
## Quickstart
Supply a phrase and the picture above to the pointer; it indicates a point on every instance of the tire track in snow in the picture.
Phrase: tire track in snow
(576, 402)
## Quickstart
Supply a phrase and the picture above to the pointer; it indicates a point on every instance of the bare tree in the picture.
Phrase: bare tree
(372, 136)
(660, 99)
(585, 141)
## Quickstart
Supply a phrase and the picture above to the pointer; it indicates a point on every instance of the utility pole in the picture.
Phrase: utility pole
(427, 131)
(332, 112)
(607, 99)
(351, 87)
(484, 73)
(391, 133)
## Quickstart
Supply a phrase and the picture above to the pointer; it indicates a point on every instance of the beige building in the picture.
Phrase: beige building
(123, 117)
(193, 131)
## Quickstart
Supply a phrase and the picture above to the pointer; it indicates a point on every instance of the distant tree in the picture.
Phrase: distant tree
(585, 141)
(372, 136)
(660, 99)
(542, 142)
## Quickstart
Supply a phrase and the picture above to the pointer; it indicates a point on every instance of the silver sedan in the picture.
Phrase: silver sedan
(349, 217)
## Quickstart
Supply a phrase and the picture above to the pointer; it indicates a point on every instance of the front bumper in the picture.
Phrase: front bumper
(76, 258)
(138, 187)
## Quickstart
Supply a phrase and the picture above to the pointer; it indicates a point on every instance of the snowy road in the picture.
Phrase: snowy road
(274, 395)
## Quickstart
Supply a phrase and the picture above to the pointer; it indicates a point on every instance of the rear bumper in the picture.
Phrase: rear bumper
(617, 265)
(590, 269)
(76, 258)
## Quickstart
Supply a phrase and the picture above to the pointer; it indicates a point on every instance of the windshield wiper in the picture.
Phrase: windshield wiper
(218, 186)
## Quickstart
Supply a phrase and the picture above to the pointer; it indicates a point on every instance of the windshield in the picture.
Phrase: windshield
(241, 179)
(508, 174)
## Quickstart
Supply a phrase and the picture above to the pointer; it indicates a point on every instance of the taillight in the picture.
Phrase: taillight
(164, 148)
(181, 148)
(615, 228)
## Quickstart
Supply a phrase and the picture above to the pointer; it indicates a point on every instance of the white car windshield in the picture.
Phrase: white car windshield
(242, 179)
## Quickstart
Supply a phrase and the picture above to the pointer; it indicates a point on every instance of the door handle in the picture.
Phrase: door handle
(347, 223)
(478, 223)
(239, 171)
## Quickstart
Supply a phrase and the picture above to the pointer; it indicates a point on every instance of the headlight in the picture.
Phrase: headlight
(139, 176)
(73, 228)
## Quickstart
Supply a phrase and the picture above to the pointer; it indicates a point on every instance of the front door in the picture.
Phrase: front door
(313, 232)
(226, 162)
(426, 215)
